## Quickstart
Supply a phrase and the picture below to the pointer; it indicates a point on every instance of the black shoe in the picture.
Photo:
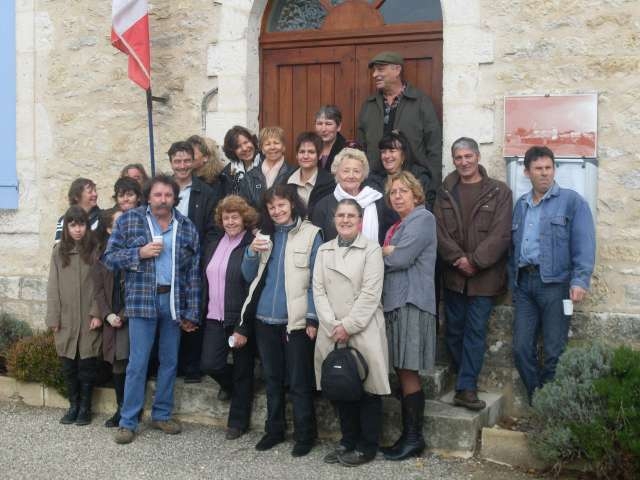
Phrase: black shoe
(354, 458)
(223, 395)
(233, 433)
(192, 378)
(332, 456)
(300, 449)
(468, 399)
(413, 444)
(86, 395)
(269, 441)
(114, 421)
(71, 415)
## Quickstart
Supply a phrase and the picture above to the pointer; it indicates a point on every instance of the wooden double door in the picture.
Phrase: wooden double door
(303, 70)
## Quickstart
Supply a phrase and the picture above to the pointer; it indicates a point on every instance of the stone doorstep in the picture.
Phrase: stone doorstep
(508, 447)
(449, 430)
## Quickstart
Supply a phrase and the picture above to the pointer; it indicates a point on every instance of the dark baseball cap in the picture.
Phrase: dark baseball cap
(389, 58)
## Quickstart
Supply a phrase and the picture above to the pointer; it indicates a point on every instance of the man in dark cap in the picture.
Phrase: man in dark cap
(397, 105)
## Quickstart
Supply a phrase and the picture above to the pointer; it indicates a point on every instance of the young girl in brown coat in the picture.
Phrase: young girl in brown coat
(108, 306)
(69, 298)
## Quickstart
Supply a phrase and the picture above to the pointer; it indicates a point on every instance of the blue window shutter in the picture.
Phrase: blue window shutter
(8, 175)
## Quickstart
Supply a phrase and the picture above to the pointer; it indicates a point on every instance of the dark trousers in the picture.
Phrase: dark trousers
(82, 370)
(190, 352)
(237, 378)
(361, 423)
(288, 357)
(467, 318)
(538, 310)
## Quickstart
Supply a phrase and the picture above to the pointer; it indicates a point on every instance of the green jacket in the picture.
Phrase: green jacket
(416, 118)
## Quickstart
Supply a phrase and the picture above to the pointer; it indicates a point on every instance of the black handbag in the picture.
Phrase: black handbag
(343, 374)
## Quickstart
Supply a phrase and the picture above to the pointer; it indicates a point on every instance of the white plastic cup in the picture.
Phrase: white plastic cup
(567, 306)
(231, 341)
(263, 236)
(158, 239)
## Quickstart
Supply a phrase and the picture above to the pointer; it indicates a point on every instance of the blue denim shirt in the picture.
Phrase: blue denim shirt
(164, 262)
(567, 238)
(530, 250)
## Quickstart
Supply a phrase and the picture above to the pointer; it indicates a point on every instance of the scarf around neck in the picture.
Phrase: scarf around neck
(366, 198)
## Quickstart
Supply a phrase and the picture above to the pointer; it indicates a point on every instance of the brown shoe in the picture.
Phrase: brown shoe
(123, 436)
(170, 427)
(468, 399)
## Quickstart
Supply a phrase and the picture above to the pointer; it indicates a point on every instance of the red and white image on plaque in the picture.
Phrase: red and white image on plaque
(567, 124)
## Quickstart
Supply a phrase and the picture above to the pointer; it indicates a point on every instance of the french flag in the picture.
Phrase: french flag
(130, 34)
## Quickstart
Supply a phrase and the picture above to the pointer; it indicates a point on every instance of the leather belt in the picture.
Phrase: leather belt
(529, 269)
(163, 289)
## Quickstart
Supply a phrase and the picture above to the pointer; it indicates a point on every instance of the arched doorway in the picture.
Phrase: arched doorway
(315, 52)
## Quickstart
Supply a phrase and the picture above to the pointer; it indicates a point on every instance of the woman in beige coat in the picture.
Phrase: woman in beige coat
(69, 298)
(347, 289)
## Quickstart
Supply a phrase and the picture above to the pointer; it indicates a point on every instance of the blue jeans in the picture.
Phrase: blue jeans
(466, 333)
(538, 309)
(142, 333)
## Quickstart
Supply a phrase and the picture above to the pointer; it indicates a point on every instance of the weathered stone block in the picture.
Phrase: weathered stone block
(10, 287)
(53, 399)
(33, 288)
(31, 393)
(508, 448)
(8, 388)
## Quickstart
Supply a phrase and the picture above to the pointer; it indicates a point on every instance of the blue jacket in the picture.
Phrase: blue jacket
(567, 238)
(131, 232)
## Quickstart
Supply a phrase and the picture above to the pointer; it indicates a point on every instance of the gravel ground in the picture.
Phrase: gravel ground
(34, 445)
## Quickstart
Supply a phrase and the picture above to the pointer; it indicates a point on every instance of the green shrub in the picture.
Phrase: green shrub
(34, 359)
(591, 412)
(11, 330)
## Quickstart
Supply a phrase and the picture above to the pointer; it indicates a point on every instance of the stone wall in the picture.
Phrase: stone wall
(79, 115)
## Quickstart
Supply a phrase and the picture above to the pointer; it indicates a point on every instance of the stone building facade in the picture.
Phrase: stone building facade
(79, 115)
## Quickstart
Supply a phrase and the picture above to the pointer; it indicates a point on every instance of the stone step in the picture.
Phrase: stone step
(435, 382)
(447, 429)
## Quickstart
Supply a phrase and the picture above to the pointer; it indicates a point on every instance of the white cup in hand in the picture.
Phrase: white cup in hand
(567, 306)
(158, 239)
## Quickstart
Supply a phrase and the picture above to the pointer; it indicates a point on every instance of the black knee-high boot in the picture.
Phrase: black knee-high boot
(87, 369)
(413, 444)
(118, 386)
(73, 391)
(405, 419)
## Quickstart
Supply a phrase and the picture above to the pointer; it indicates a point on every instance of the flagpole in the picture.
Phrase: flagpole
(150, 119)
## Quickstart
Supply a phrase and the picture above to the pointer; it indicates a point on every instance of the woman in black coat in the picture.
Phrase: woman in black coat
(308, 144)
(224, 291)
(328, 125)
(396, 155)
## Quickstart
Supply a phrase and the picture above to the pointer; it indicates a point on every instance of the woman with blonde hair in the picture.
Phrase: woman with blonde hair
(206, 159)
(273, 168)
(408, 298)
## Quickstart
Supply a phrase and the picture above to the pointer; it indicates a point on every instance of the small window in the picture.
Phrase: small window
(290, 15)
(409, 11)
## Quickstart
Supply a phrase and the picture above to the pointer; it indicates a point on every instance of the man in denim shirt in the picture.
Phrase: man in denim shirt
(552, 258)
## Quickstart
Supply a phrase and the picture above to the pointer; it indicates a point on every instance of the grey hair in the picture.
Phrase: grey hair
(465, 142)
(330, 112)
(354, 154)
